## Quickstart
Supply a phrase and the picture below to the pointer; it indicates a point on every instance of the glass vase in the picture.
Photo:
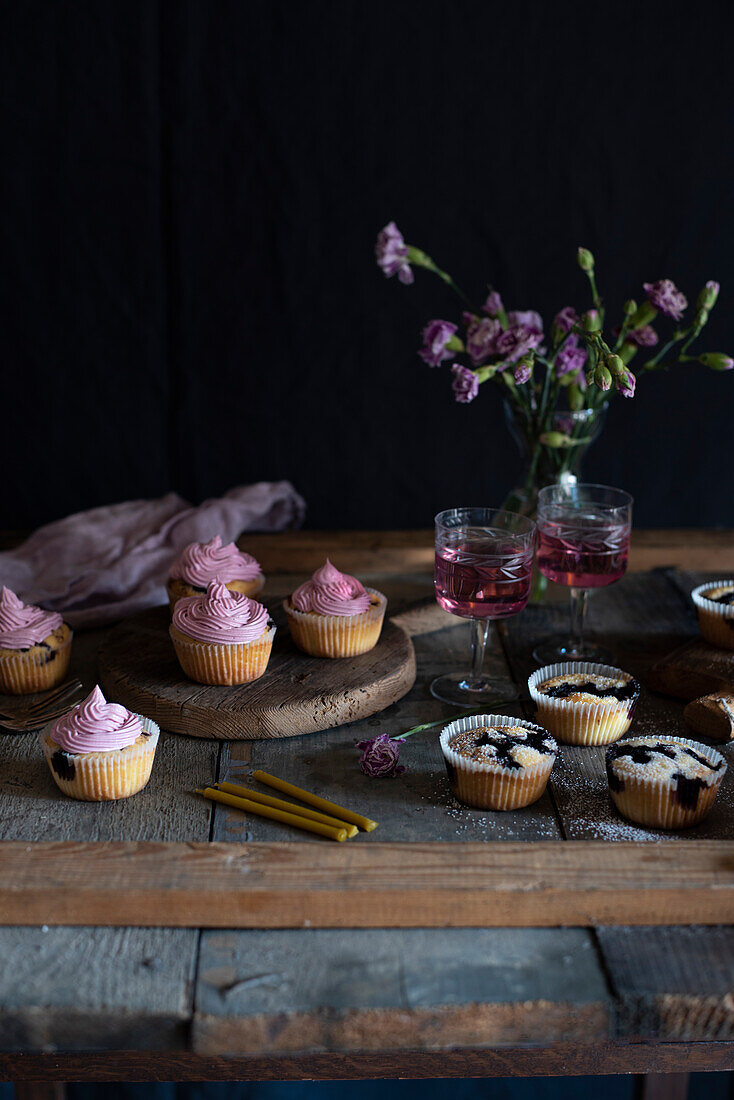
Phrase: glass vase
(544, 464)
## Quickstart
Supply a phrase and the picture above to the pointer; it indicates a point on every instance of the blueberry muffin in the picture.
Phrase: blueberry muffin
(35, 646)
(664, 782)
(497, 763)
(715, 608)
(584, 704)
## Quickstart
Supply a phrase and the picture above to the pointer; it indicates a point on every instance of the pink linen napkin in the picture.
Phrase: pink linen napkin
(98, 566)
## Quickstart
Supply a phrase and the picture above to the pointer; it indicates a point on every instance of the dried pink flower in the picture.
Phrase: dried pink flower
(380, 756)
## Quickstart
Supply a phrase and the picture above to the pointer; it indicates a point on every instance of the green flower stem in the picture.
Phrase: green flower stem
(651, 364)
(643, 315)
(421, 259)
(595, 294)
(440, 722)
(624, 329)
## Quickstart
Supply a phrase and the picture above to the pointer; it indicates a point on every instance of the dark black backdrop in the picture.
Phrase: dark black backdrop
(190, 197)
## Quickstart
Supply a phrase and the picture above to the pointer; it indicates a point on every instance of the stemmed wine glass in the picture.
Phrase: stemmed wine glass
(583, 542)
(484, 560)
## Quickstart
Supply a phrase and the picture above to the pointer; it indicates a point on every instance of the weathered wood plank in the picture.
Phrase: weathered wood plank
(672, 984)
(373, 990)
(39, 1090)
(556, 1059)
(694, 669)
(365, 886)
(94, 988)
(32, 807)
(398, 551)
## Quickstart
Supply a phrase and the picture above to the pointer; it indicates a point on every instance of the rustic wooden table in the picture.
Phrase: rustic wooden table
(81, 1001)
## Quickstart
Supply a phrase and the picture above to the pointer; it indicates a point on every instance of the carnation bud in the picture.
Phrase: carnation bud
(615, 366)
(555, 439)
(709, 294)
(716, 360)
(523, 371)
(585, 259)
(626, 383)
(591, 320)
(603, 377)
(702, 316)
(630, 307)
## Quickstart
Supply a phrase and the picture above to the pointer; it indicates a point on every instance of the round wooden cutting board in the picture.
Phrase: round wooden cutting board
(297, 694)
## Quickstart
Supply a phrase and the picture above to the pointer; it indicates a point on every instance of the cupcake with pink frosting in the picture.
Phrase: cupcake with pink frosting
(222, 637)
(35, 646)
(334, 615)
(100, 751)
(202, 562)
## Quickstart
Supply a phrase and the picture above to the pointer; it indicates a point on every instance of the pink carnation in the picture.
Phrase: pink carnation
(391, 253)
(465, 384)
(666, 297)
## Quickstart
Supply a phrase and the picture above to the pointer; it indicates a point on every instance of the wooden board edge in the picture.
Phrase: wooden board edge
(373, 885)
(143, 703)
(561, 1059)
(401, 1027)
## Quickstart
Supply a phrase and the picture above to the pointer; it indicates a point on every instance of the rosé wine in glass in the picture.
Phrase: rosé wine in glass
(583, 543)
(589, 557)
(475, 584)
(484, 560)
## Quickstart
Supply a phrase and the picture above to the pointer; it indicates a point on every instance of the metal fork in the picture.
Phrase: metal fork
(36, 714)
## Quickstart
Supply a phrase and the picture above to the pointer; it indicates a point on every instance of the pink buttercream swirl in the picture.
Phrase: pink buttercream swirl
(23, 625)
(330, 592)
(221, 617)
(96, 726)
(202, 562)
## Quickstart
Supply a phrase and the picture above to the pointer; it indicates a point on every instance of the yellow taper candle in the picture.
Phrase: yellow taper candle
(289, 807)
(313, 800)
(275, 815)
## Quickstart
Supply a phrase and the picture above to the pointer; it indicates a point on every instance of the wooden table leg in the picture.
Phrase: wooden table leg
(39, 1090)
(664, 1086)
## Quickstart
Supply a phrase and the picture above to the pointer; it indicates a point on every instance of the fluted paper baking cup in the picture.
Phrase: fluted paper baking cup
(102, 776)
(490, 786)
(239, 663)
(582, 723)
(24, 672)
(336, 635)
(178, 589)
(715, 620)
(653, 802)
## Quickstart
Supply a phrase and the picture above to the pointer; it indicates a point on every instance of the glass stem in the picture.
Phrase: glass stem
(479, 635)
(579, 600)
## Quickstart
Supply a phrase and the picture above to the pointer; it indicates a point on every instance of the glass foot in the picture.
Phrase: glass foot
(565, 649)
(454, 688)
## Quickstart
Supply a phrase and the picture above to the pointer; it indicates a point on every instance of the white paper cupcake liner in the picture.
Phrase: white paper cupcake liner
(581, 723)
(102, 776)
(22, 673)
(223, 664)
(715, 620)
(336, 635)
(489, 786)
(653, 802)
